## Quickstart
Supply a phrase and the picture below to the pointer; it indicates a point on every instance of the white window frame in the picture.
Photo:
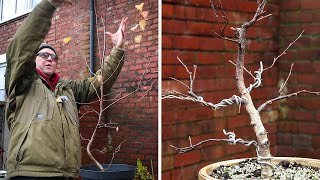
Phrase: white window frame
(2, 58)
(16, 15)
(3, 65)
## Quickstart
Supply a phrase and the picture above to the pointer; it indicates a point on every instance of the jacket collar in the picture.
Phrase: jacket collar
(52, 81)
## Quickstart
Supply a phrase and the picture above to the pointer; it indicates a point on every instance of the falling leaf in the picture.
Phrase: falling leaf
(66, 40)
(143, 24)
(139, 7)
(134, 27)
(144, 14)
(138, 38)
(117, 129)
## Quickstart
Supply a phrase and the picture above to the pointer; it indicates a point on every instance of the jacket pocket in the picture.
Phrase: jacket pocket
(41, 148)
(45, 103)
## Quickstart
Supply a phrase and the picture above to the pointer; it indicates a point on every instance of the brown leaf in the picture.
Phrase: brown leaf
(139, 7)
(144, 14)
(143, 24)
(138, 38)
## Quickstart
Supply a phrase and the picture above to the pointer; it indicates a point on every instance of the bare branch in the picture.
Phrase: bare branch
(110, 124)
(231, 140)
(137, 89)
(84, 138)
(284, 97)
(249, 72)
(222, 30)
(226, 38)
(284, 52)
(88, 111)
(114, 153)
(88, 66)
(258, 15)
(262, 17)
(196, 98)
(285, 82)
(179, 82)
(104, 96)
(102, 151)
(146, 92)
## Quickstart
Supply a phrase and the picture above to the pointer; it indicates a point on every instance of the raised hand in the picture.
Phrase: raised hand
(118, 37)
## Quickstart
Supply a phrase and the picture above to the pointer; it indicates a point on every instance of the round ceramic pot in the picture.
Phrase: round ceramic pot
(205, 171)
(115, 172)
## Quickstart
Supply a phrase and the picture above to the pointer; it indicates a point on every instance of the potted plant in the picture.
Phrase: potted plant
(112, 171)
(263, 166)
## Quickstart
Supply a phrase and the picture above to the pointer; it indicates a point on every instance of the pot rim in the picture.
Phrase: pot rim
(88, 168)
(204, 175)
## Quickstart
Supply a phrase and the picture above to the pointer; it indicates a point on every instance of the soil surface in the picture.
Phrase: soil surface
(250, 169)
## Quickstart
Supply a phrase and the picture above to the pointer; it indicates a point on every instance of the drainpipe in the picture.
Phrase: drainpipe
(92, 27)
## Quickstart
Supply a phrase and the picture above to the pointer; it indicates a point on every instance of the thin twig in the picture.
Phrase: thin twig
(284, 97)
(222, 30)
(285, 82)
(114, 153)
(284, 52)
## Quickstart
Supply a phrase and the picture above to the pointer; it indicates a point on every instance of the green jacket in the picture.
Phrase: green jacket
(44, 131)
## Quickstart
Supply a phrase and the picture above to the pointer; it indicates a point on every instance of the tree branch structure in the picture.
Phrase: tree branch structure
(262, 143)
(105, 102)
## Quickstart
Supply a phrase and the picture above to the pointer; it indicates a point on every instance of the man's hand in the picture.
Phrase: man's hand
(118, 37)
(58, 2)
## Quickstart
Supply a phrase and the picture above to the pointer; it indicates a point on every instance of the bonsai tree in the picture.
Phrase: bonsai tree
(243, 98)
(105, 100)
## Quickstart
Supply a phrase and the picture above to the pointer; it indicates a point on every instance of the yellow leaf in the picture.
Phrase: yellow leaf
(66, 40)
(139, 7)
(143, 24)
(134, 27)
(144, 14)
(138, 38)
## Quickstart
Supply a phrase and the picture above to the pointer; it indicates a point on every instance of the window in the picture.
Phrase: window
(3, 66)
(10, 9)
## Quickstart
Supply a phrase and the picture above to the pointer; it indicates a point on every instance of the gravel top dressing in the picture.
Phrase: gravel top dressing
(250, 169)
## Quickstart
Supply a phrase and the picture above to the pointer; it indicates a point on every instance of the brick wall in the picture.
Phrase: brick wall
(136, 115)
(186, 32)
(299, 126)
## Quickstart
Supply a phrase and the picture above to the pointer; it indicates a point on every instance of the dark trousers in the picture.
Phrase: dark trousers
(40, 178)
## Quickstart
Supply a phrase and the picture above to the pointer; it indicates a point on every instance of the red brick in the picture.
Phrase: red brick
(315, 141)
(166, 175)
(309, 4)
(173, 26)
(191, 157)
(167, 10)
(290, 5)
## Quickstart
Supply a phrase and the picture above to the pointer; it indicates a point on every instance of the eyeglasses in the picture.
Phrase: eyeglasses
(46, 55)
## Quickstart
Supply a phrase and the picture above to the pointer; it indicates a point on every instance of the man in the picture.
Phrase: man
(41, 109)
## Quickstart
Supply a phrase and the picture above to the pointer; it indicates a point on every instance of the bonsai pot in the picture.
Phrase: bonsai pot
(205, 171)
(115, 172)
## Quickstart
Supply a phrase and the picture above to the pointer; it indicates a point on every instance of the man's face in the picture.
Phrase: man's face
(45, 63)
